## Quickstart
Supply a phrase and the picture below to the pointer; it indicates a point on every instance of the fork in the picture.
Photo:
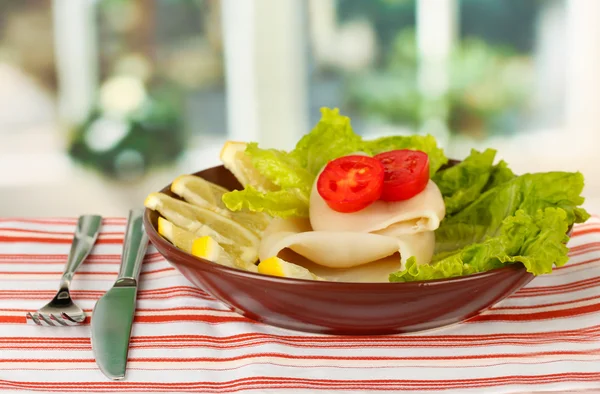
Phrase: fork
(62, 311)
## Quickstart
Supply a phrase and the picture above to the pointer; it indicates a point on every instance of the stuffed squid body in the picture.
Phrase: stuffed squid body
(360, 246)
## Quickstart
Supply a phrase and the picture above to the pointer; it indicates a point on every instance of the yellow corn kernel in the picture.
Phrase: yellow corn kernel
(206, 248)
(271, 266)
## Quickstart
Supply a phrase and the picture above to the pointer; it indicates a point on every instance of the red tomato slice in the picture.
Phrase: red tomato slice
(406, 173)
(351, 183)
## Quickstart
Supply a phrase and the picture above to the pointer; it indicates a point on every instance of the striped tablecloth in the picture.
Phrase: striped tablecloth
(544, 338)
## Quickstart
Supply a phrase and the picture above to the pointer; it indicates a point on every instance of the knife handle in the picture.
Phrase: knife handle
(134, 247)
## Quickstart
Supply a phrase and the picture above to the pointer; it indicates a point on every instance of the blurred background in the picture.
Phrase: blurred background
(103, 101)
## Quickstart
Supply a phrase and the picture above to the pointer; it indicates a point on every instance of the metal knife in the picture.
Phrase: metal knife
(113, 314)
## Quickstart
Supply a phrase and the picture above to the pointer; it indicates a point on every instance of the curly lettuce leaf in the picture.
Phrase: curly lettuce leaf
(463, 183)
(425, 143)
(580, 214)
(281, 168)
(294, 172)
(500, 175)
(284, 171)
(537, 241)
(530, 192)
(283, 203)
(331, 138)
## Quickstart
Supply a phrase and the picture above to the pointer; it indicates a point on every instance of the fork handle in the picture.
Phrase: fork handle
(134, 247)
(86, 233)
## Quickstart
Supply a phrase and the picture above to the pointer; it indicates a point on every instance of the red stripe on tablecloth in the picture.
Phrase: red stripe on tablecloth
(546, 315)
(155, 319)
(587, 225)
(95, 261)
(578, 264)
(583, 248)
(54, 273)
(175, 308)
(192, 318)
(285, 356)
(414, 338)
(580, 230)
(530, 291)
(175, 289)
(62, 221)
(162, 318)
(545, 305)
(68, 233)
(313, 341)
(160, 293)
(112, 262)
(259, 382)
(149, 272)
(108, 263)
(101, 240)
(91, 257)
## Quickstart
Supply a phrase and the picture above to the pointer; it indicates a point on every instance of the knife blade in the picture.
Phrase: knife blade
(112, 317)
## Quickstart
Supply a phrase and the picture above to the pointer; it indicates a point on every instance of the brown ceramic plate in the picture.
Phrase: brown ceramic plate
(333, 307)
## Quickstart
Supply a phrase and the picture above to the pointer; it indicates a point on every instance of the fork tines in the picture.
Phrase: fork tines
(41, 319)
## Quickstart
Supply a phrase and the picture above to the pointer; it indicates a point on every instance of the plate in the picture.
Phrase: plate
(335, 307)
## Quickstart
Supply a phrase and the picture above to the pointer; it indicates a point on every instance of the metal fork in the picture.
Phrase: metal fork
(62, 311)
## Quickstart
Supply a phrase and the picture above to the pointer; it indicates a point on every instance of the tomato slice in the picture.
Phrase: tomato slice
(406, 173)
(351, 183)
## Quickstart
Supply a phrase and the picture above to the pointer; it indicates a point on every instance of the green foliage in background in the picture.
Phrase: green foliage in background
(506, 22)
(386, 16)
(497, 22)
(489, 86)
(154, 136)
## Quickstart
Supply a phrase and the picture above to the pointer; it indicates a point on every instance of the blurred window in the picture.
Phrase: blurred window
(502, 72)
(27, 65)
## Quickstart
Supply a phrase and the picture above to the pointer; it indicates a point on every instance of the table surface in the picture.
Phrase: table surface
(546, 337)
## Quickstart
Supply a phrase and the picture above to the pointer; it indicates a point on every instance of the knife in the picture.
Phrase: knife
(113, 314)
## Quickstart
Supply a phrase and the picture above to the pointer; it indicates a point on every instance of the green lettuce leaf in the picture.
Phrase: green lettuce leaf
(295, 172)
(331, 138)
(500, 175)
(530, 192)
(537, 241)
(581, 215)
(463, 183)
(283, 203)
(424, 143)
(281, 168)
